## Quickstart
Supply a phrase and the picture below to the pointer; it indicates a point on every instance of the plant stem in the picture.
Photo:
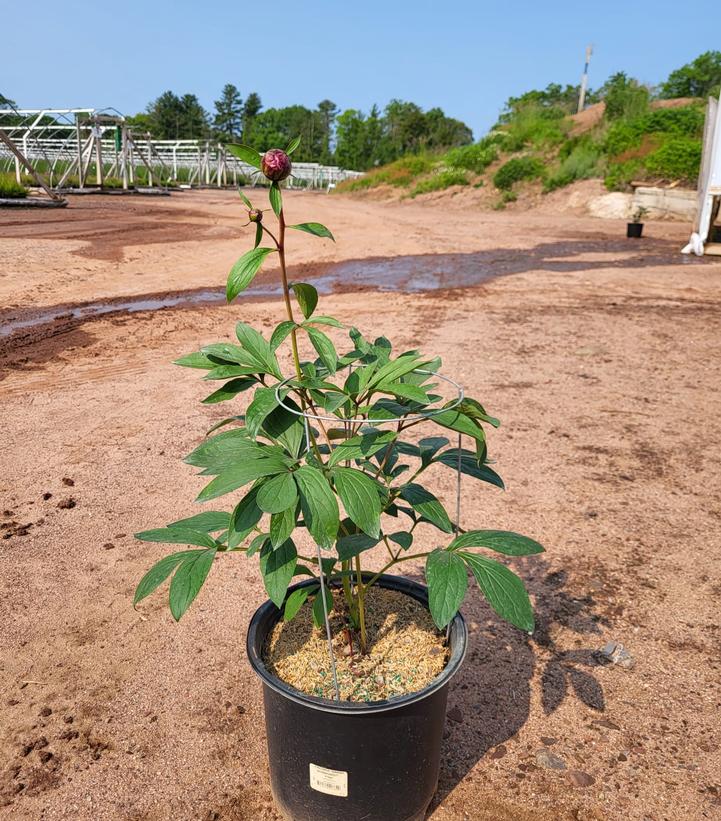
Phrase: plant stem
(361, 605)
(388, 566)
(286, 291)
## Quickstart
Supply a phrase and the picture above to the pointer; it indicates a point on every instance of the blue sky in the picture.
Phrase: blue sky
(466, 57)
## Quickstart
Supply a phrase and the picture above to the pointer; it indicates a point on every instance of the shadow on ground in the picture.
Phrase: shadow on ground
(490, 699)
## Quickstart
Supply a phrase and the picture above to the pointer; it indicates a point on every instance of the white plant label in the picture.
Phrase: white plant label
(331, 782)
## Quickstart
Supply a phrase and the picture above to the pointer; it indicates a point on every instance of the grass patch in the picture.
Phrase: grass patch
(10, 188)
(440, 181)
(400, 173)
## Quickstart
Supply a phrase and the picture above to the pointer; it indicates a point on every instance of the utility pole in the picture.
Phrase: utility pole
(584, 80)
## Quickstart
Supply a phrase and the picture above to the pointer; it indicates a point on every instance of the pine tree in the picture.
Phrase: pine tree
(228, 113)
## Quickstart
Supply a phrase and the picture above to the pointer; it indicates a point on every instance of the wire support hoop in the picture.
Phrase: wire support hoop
(418, 417)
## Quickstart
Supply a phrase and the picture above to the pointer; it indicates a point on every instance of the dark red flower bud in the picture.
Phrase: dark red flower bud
(255, 215)
(276, 164)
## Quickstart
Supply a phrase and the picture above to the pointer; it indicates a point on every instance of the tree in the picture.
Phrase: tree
(194, 118)
(699, 78)
(228, 118)
(624, 97)
(327, 112)
(6, 102)
(251, 109)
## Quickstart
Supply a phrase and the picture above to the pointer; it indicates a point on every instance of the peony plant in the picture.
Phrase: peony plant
(310, 454)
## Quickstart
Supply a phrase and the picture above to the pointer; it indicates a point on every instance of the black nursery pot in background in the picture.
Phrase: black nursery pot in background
(346, 761)
(634, 230)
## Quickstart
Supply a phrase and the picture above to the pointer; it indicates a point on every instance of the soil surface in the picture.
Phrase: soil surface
(600, 356)
(405, 650)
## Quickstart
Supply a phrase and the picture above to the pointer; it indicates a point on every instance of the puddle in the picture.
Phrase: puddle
(410, 274)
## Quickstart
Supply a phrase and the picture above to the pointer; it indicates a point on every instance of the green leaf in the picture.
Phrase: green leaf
(278, 568)
(278, 494)
(159, 572)
(276, 198)
(195, 360)
(429, 446)
(314, 228)
(319, 505)
(402, 539)
(244, 518)
(447, 582)
(258, 348)
(318, 615)
(229, 391)
(244, 199)
(282, 525)
(325, 320)
(295, 601)
(188, 580)
(230, 420)
(234, 477)
(360, 497)
(504, 591)
(242, 273)
(361, 446)
(258, 234)
(453, 420)
(264, 403)
(405, 391)
(209, 521)
(292, 145)
(256, 544)
(353, 545)
(470, 466)
(427, 505)
(307, 297)
(280, 333)
(502, 541)
(393, 370)
(325, 348)
(474, 410)
(177, 535)
(230, 371)
(225, 450)
(287, 428)
(226, 353)
(245, 153)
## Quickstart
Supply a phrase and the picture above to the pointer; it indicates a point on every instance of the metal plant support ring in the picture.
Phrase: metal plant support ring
(306, 416)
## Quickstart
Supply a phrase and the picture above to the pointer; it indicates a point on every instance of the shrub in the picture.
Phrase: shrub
(440, 181)
(679, 158)
(535, 126)
(10, 188)
(475, 158)
(619, 175)
(517, 169)
(581, 163)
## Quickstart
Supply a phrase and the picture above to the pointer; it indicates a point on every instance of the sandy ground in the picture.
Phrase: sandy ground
(605, 372)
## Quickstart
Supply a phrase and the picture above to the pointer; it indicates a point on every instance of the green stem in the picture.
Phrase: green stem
(361, 605)
(388, 566)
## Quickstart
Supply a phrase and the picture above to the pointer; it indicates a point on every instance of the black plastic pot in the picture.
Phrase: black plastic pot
(347, 761)
(634, 230)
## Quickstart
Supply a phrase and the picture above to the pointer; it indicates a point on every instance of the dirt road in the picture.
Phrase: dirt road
(601, 357)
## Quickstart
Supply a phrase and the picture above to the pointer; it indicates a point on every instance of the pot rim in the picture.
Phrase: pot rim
(458, 644)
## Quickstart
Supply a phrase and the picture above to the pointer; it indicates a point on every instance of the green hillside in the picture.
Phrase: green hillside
(629, 132)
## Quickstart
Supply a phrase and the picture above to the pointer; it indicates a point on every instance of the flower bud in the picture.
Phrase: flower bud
(255, 215)
(275, 164)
